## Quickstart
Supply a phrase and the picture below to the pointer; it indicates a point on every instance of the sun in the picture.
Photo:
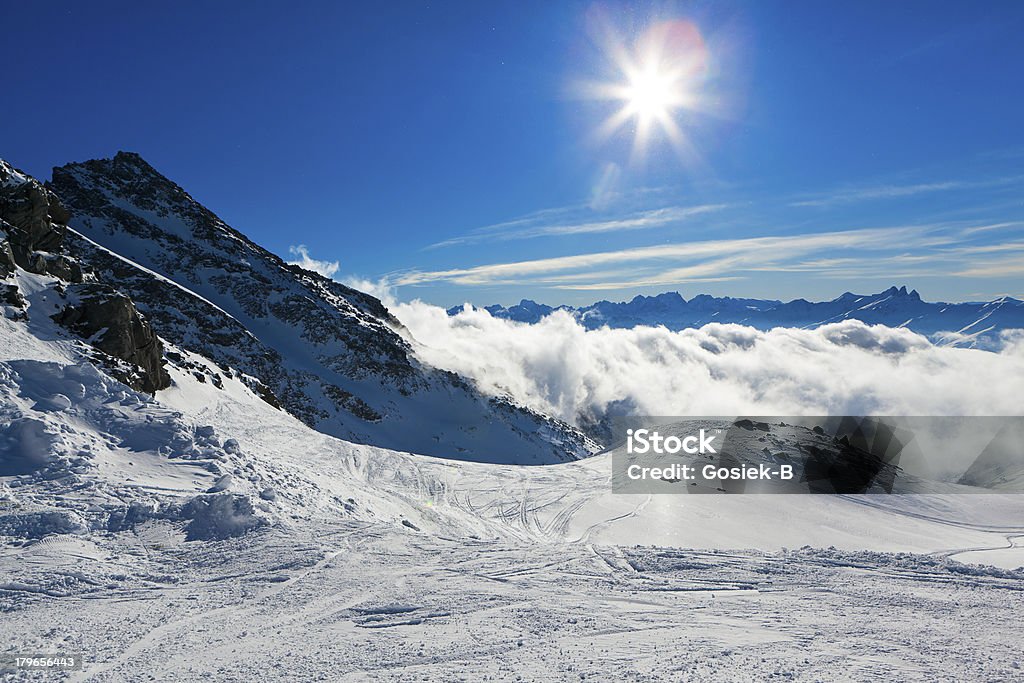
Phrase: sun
(657, 78)
(651, 94)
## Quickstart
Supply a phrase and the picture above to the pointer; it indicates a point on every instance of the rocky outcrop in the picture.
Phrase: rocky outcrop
(33, 232)
(35, 223)
(7, 262)
(112, 324)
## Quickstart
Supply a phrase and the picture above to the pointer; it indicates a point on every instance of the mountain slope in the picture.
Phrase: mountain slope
(973, 324)
(329, 354)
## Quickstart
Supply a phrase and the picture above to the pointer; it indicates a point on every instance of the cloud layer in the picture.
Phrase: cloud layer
(560, 368)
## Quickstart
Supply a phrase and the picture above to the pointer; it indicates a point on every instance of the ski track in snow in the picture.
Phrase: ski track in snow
(357, 602)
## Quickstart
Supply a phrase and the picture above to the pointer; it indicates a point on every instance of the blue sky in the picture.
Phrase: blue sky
(456, 149)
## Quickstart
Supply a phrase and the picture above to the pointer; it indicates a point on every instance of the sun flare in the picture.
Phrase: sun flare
(658, 77)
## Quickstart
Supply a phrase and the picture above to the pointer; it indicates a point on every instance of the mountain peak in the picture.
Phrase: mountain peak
(124, 164)
(133, 157)
(332, 356)
(902, 292)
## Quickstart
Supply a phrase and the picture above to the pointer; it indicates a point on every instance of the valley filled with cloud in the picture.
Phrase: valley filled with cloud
(558, 367)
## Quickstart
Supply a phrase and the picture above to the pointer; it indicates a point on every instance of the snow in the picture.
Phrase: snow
(13, 178)
(360, 563)
(352, 602)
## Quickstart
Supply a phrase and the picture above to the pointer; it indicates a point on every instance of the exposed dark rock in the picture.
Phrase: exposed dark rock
(264, 392)
(750, 425)
(11, 295)
(61, 266)
(35, 218)
(35, 224)
(112, 324)
(7, 263)
(352, 403)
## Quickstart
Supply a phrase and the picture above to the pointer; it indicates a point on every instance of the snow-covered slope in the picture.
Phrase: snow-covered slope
(83, 453)
(330, 355)
(205, 525)
(958, 324)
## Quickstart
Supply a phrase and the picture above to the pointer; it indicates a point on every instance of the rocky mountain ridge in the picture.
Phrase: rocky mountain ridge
(133, 258)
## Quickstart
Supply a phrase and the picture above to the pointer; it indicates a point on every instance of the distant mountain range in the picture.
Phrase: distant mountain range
(972, 324)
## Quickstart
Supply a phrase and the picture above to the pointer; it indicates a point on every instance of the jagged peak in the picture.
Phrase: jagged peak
(664, 297)
(895, 291)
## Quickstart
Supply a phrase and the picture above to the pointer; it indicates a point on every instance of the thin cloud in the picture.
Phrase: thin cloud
(931, 250)
(878, 192)
(994, 226)
(747, 253)
(647, 219)
(994, 268)
(850, 195)
(989, 248)
(708, 271)
(540, 225)
(655, 281)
